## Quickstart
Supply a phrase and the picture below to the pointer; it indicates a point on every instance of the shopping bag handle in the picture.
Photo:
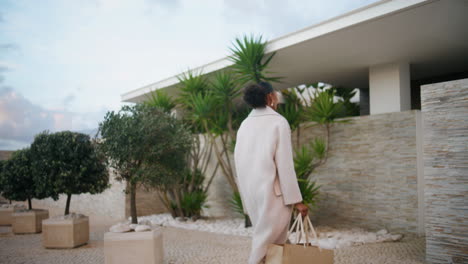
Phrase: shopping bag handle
(303, 227)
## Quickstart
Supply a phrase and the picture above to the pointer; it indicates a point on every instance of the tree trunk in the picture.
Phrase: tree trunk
(133, 210)
(298, 136)
(29, 204)
(248, 223)
(179, 204)
(67, 207)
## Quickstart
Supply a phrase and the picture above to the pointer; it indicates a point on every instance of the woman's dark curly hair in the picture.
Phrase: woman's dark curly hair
(255, 94)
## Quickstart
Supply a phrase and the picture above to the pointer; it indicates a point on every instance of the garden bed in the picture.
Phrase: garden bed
(330, 238)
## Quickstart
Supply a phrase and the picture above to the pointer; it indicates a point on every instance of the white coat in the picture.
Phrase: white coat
(266, 177)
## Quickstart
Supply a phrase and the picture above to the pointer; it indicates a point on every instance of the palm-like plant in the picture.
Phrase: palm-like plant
(250, 60)
(293, 111)
(225, 90)
(345, 95)
(309, 191)
(324, 110)
(192, 83)
(161, 100)
(306, 159)
(303, 162)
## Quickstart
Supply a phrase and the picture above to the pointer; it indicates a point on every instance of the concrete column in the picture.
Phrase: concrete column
(389, 88)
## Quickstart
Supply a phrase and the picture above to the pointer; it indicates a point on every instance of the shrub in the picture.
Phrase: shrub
(68, 163)
(146, 146)
(18, 179)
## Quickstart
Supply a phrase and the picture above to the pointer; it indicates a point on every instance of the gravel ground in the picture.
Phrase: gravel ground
(189, 246)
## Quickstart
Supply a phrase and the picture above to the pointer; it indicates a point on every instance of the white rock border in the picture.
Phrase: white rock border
(329, 238)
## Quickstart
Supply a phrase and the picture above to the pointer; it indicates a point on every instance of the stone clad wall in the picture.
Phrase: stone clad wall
(445, 111)
(110, 203)
(147, 203)
(370, 178)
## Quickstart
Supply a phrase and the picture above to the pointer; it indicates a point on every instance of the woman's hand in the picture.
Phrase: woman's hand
(302, 208)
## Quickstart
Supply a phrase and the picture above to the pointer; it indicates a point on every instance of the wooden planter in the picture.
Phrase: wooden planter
(6, 216)
(29, 222)
(65, 233)
(134, 247)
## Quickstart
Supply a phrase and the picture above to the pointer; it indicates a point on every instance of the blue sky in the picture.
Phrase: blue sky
(65, 63)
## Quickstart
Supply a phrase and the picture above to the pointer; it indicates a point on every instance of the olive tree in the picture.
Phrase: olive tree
(146, 146)
(68, 163)
(18, 180)
(2, 164)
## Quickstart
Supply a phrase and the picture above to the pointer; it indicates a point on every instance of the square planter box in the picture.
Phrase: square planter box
(6, 216)
(134, 247)
(27, 222)
(65, 233)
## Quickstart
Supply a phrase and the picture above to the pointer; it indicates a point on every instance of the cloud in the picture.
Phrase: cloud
(280, 17)
(73, 59)
(20, 120)
(8, 47)
(171, 4)
(68, 100)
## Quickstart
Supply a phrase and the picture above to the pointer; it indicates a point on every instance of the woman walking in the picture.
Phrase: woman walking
(265, 170)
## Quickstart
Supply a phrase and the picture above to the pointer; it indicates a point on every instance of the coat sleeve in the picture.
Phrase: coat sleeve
(285, 165)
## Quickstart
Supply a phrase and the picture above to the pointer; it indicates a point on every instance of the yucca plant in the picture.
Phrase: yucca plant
(309, 192)
(306, 159)
(323, 110)
(191, 83)
(161, 100)
(303, 162)
(225, 90)
(238, 207)
(293, 111)
(193, 202)
(236, 203)
(250, 60)
(345, 95)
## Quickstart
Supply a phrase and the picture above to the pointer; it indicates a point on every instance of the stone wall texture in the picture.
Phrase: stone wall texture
(147, 203)
(110, 203)
(370, 177)
(445, 112)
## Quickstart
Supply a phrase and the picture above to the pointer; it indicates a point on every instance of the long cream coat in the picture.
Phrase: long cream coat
(266, 177)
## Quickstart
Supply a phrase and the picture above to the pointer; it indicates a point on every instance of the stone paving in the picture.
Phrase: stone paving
(187, 246)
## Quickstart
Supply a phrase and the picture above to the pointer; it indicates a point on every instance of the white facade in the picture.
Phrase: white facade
(389, 88)
(382, 47)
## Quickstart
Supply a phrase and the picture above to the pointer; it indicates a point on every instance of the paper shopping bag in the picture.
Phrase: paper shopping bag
(299, 253)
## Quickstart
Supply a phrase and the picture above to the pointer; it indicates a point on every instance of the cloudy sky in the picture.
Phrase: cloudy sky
(64, 63)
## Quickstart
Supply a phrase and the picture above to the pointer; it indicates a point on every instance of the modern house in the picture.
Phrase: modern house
(387, 49)
(403, 163)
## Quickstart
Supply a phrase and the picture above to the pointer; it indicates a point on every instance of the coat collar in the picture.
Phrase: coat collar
(260, 111)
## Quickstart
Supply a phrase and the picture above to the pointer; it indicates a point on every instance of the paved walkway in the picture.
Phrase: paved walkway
(186, 246)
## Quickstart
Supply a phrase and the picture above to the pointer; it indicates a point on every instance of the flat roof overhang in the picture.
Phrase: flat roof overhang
(431, 35)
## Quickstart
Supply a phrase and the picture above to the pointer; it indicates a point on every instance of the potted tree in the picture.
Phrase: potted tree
(71, 165)
(19, 184)
(148, 147)
(6, 217)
